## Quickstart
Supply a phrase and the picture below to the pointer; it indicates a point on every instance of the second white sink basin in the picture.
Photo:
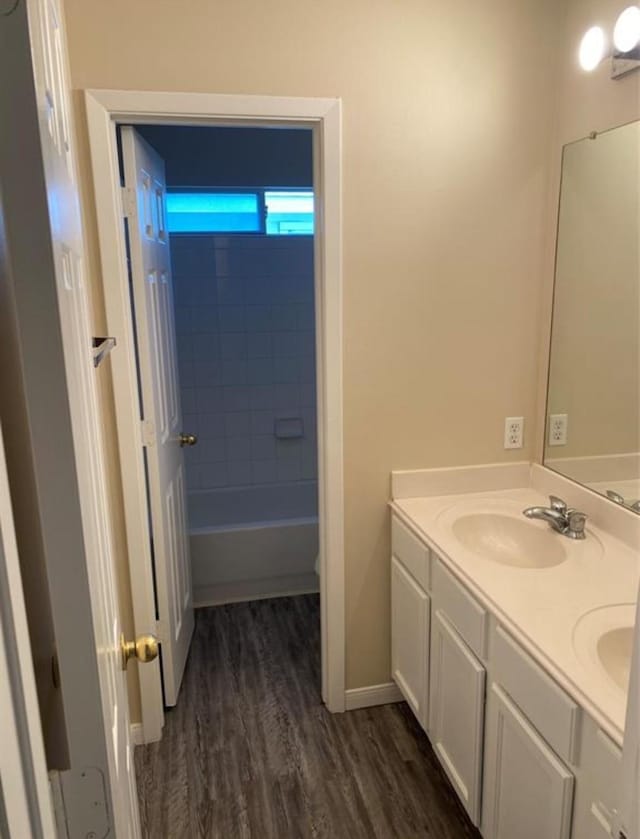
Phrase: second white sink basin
(603, 640)
(614, 651)
(509, 541)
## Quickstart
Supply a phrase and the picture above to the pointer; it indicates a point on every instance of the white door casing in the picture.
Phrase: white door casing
(56, 137)
(105, 110)
(150, 266)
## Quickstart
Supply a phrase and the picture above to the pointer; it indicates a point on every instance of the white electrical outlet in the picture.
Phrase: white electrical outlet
(558, 429)
(514, 432)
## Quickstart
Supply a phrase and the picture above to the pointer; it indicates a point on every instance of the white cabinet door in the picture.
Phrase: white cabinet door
(410, 639)
(456, 715)
(528, 791)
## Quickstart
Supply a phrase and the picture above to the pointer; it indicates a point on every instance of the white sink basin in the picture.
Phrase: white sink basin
(603, 640)
(614, 651)
(509, 540)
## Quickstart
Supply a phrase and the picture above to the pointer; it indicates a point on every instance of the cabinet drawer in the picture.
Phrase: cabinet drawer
(461, 609)
(411, 552)
(550, 709)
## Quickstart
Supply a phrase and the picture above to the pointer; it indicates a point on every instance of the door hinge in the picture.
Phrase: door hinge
(148, 433)
(128, 202)
(161, 630)
(80, 803)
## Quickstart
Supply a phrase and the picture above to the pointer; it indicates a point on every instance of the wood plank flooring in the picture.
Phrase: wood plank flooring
(250, 752)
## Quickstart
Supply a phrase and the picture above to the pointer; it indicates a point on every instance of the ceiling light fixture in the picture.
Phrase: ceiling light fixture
(592, 48)
(626, 35)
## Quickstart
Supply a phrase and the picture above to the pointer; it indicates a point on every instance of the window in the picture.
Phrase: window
(271, 212)
(213, 212)
(289, 213)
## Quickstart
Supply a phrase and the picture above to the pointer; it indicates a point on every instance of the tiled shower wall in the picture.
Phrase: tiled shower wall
(246, 356)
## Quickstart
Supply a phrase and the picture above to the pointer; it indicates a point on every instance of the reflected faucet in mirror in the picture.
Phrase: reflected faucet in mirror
(619, 499)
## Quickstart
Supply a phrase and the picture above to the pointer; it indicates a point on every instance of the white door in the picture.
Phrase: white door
(48, 47)
(154, 315)
(456, 712)
(528, 791)
(25, 802)
(410, 607)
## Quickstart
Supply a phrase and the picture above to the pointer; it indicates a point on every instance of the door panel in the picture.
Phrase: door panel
(153, 303)
(410, 607)
(456, 712)
(528, 790)
(80, 391)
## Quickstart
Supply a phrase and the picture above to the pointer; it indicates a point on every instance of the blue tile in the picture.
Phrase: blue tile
(262, 422)
(238, 448)
(259, 345)
(236, 398)
(239, 473)
(264, 471)
(233, 346)
(231, 318)
(237, 423)
(263, 447)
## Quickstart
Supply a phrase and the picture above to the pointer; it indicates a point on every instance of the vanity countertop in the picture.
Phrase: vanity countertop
(540, 607)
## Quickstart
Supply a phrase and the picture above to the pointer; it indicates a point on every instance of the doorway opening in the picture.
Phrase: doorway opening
(262, 500)
(220, 240)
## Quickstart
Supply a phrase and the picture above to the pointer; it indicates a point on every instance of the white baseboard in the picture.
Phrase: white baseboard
(137, 733)
(366, 697)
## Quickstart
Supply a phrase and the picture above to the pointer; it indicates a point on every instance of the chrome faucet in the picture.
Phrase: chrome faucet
(561, 518)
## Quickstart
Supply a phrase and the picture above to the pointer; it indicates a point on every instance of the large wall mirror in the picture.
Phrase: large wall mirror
(593, 405)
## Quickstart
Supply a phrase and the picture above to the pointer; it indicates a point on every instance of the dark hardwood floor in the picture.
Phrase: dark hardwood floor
(251, 752)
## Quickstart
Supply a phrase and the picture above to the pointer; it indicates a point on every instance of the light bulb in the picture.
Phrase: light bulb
(626, 35)
(592, 48)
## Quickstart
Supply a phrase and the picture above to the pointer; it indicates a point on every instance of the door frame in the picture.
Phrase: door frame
(105, 109)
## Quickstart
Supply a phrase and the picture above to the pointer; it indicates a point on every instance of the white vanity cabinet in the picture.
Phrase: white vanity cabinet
(525, 759)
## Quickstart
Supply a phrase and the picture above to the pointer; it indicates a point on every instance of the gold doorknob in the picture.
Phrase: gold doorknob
(188, 439)
(144, 648)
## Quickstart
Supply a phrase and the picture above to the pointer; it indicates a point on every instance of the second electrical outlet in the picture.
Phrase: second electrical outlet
(514, 432)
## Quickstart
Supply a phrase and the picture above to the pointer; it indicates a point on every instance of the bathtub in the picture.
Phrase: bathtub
(253, 542)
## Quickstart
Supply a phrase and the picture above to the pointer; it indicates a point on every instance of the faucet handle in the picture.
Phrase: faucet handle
(615, 496)
(557, 504)
(575, 524)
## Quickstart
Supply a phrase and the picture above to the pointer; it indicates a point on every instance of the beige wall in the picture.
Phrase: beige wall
(448, 112)
(595, 352)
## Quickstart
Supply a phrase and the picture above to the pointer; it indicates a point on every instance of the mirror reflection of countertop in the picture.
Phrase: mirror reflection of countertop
(542, 587)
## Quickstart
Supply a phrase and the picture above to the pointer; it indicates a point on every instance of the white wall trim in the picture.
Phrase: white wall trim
(367, 697)
(106, 108)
